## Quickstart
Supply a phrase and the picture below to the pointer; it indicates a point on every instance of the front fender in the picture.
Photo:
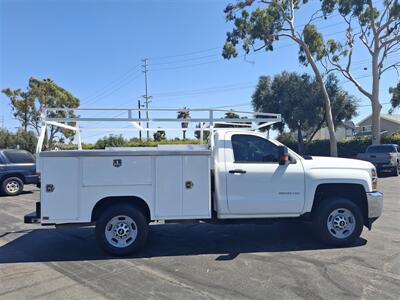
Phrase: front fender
(316, 177)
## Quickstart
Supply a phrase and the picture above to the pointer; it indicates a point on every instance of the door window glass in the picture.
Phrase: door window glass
(19, 157)
(250, 148)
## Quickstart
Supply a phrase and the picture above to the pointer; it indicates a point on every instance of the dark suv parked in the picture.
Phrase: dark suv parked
(17, 167)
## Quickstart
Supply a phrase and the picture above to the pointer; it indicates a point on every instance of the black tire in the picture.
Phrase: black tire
(322, 214)
(12, 186)
(139, 221)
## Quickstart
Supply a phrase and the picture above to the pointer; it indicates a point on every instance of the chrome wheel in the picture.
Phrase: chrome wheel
(341, 223)
(12, 186)
(121, 231)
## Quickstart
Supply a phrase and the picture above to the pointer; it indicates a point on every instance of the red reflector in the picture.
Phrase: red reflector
(45, 218)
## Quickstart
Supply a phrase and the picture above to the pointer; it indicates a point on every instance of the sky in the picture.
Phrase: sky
(94, 49)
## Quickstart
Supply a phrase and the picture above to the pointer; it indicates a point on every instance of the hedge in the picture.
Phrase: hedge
(128, 143)
(349, 148)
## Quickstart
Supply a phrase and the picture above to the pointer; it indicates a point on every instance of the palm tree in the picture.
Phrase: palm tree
(231, 115)
(184, 114)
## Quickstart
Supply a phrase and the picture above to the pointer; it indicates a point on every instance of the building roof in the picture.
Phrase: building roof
(391, 118)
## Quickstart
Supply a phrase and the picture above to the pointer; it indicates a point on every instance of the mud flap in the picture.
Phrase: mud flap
(33, 217)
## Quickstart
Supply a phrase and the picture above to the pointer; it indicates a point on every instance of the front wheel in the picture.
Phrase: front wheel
(121, 230)
(338, 222)
(12, 186)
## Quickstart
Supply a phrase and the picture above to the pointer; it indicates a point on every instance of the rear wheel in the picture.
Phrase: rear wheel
(121, 230)
(338, 222)
(12, 186)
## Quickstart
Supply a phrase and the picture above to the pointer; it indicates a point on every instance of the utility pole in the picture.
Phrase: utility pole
(146, 95)
(139, 107)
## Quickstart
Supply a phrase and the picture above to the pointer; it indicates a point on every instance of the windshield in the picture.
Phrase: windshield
(381, 149)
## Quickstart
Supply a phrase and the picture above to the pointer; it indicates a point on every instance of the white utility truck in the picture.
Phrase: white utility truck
(241, 175)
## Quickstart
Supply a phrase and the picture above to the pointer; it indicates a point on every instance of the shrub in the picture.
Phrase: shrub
(20, 139)
(348, 148)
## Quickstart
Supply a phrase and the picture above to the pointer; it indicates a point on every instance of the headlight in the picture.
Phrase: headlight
(374, 179)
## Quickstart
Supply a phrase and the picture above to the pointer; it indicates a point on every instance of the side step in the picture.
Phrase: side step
(33, 217)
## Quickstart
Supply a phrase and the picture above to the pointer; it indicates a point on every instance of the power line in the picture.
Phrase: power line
(219, 47)
(185, 54)
(211, 89)
(113, 90)
(116, 81)
(223, 59)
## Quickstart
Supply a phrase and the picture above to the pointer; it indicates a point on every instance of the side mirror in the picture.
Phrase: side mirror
(283, 155)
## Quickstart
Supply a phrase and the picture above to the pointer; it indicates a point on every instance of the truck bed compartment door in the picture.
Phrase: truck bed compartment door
(59, 188)
(183, 187)
(168, 186)
(196, 186)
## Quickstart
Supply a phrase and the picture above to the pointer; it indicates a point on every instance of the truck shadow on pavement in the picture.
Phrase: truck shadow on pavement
(227, 241)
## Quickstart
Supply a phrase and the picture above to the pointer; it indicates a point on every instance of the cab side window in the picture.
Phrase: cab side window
(253, 149)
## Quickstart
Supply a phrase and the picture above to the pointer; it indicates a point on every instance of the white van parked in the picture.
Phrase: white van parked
(240, 176)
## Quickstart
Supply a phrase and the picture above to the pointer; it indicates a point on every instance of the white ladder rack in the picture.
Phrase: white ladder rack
(207, 120)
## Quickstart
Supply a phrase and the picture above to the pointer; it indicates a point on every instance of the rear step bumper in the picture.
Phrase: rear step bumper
(33, 217)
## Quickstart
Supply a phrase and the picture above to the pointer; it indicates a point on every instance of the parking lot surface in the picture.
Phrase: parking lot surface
(282, 260)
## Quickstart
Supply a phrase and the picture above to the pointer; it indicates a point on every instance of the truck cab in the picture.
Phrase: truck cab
(251, 181)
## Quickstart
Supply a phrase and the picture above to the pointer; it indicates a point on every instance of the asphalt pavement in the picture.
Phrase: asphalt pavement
(194, 261)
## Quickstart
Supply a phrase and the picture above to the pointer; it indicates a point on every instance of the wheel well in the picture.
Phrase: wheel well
(104, 203)
(353, 192)
(12, 175)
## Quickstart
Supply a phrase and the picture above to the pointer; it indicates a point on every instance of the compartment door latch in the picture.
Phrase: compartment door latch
(189, 184)
(49, 188)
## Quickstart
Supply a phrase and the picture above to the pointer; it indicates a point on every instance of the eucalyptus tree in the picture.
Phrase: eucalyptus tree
(372, 26)
(259, 24)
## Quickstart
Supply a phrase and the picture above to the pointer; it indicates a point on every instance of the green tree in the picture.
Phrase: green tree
(28, 106)
(21, 103)
(231, 115)
(21, 139)
(184, 114)
(300, 101)
(258, 24)
(110, 141)
(373, 26)
(228, 115)
(197, 133)
(395, 101)
(159, 135)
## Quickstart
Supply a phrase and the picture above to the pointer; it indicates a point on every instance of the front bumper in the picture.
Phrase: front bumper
(375, 206)
(384, 167)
